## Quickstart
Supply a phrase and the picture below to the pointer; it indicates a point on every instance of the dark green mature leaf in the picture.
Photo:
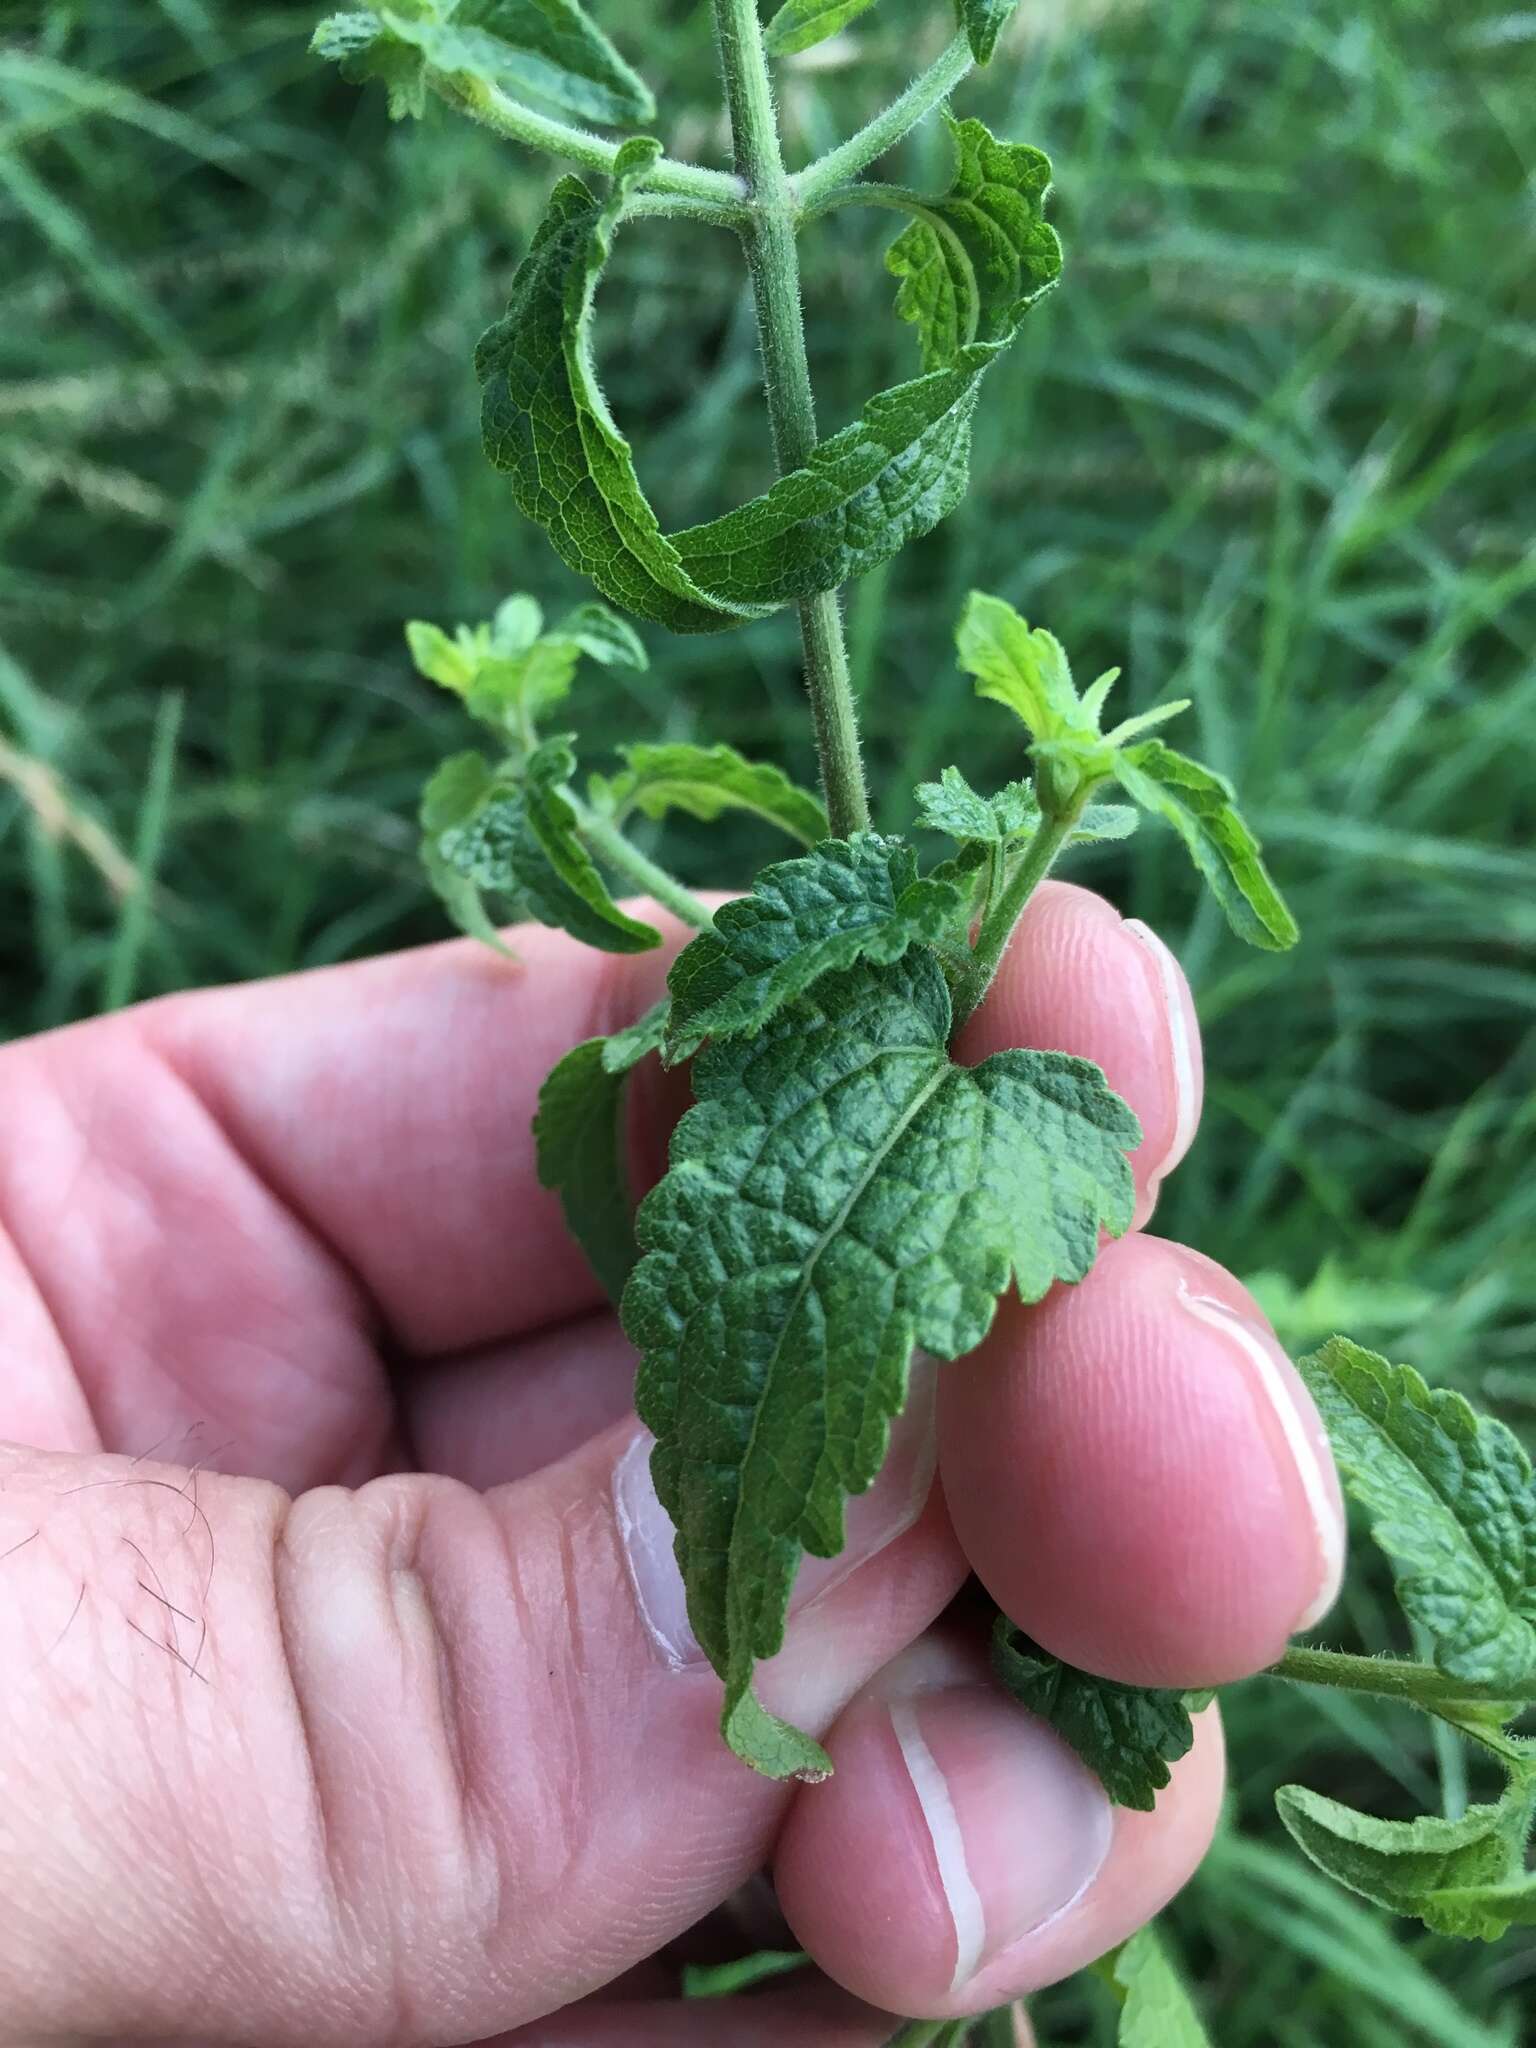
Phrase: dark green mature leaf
(976, 257)
(549, 48)
(852, 899)
(1156, 2010)
(704, 781)
(1438, 1871)
(579, 1135)
(892, 475)
(1451, 1501)
(1127, 1735)
(984, 21)
(799, 24)
(840, 1194)
(1201, 807)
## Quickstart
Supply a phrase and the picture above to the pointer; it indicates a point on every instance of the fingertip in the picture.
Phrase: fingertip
(1079, 978)
(1138, 1475)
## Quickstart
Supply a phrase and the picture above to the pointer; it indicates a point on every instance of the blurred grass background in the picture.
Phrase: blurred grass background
(1272, 446)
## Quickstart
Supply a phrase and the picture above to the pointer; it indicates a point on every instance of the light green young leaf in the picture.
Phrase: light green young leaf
(704, 781)
(984, 21)
(852, 899)
(450, 663)
(579, 1136)
(1434, 1870)
(549, 48)
(799, 24)
(518, 623)
(976, 257)
(890, 476)
(603, 635)
(839, 1194)
(1451, 1501)
(1200, 806)
(462, 900)
(1127, 1735)
(1156, 2010)
(1019, 665)
(951, 805)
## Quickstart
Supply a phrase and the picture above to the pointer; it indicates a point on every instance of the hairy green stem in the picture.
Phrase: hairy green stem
(1392, 1678)
(715, 195)
(1002, 914)
(887, 129)
(610, 845)
(774, 264)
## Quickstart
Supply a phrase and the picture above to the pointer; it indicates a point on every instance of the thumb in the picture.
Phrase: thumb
(409, 1764)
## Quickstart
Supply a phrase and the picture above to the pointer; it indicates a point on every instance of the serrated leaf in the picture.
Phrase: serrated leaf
(1451, 1501)
(976, 257)
(704, 781)
(1156, 2010)
(549, 48)
(984, 21)
(851, 899)
(1200, 805)
(1127, 1735)
(579, 1139)
(1416, 1867)
(892, 475)
(800, 24)
(839, 1194)
(1019, 665)
(556, 876)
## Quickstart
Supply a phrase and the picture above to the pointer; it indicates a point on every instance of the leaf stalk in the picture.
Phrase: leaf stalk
(886, 129)
(621, 854)
(1003, 911)
(1394, 1678)
(769, 236)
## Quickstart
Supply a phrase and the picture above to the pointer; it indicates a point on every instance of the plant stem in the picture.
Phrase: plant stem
(887, 129)
(716, 194)
(1392, 1678)
(609, 843)
(775, 268)
(1051, 835)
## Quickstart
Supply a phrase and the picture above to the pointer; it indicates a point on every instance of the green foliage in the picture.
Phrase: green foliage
(551, 49)
(1461, 1877)
(886, 479)
(977, 256)
(1452, 1503)
(840, 1194)
(799, 24)
(854, 899)
(951, 805)
(984, 21)
(704, 782)
(724, 1980)
(1127, 1735)
(1156, 2010)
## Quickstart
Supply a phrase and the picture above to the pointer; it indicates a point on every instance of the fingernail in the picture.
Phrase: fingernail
(874, 1520)
(1183, 1042)
(1299, 1442)
(1019, 1828)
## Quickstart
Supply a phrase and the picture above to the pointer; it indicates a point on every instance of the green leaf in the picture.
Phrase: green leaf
(801, 23)
(976, 257)
(603, 635)
(724, 1980)
(556, 875)
(839, 1194)
(984, 21)
(1156, 2010)
(518, 623)
(1451, 1502)
(890, 476)
(1019, 665)
(450, 663)
(549, 48)
(1127, 1735)
(462, 900)
(1492, 1907)
(704, 781)
(579, 1139)
(1200, 806)
(1434, 1870)
(951, 805)
(852, 899)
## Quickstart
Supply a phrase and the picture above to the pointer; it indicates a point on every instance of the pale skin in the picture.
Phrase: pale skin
(357, 1734)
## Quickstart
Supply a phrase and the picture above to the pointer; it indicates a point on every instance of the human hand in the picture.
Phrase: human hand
(348, 1693)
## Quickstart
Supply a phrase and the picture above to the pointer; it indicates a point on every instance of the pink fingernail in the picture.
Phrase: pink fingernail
(1280, 1386)
(874, 1520)
(1183, 1031)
